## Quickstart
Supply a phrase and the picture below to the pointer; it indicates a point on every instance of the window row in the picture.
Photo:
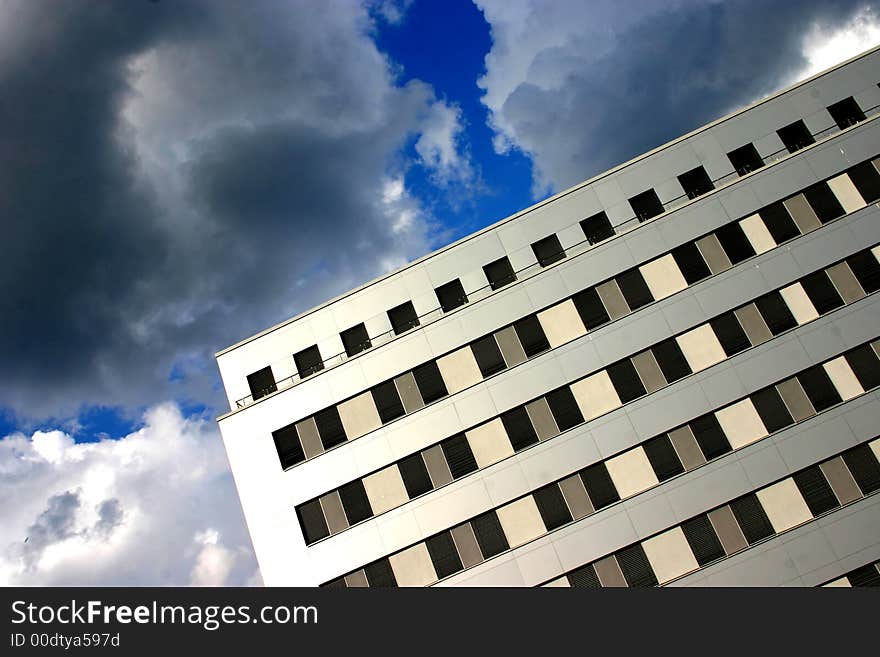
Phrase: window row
(594, 395)
(737, 525)
(868, 575)
(673, 452)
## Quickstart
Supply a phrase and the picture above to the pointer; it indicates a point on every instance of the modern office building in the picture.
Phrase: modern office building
(666, 375)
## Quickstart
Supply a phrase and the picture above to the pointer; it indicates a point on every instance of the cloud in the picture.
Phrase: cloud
(440, 145)
(156, 507)
(581, 87)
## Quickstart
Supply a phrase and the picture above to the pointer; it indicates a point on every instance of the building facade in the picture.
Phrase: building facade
(666, 375)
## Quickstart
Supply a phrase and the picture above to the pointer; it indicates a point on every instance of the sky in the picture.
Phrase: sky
(176, 176)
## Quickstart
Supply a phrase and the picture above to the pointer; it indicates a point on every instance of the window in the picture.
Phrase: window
(387, 401)
(846, 113)
(451, 295)
(864, 576)
(775, 312)
(261, 383)
(490, 536)
(635, 290)
(430, 382)
(864, 468)
(330, 427)
(646, 205)
(691, 263)
(819, 388)
(519, 428)
(379, 573)
(822, 292)
(564, 408)
(671, 360)
(709, 436)
(415, 475)
(308, 361)
(663, 458)
(625, 380)
(548, 250)
(824, 202)
(311, 519)
(865, 365)
(734, 242)
(597, 228)
(795, 136)
(599, 486)
(355, 502)
(499, 273)
(867, 180)
(488, 356)
(585, 578)
(551, 505)
(590, 308)
(866, 270)
(745, 159)
(751, 518)
(696, 182)
(290, 451)
(730, 334)
(444, 555)
(779, 223)
(531, 335)
(815, 490)
(635, 566)
(355, 340)
(403, 318)
(459, 455)
(703, 540)
(772, 410)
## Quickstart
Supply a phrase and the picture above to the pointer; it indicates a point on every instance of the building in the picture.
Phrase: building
(665, 375)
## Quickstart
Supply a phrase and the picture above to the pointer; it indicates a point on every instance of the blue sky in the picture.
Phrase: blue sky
(186, 194)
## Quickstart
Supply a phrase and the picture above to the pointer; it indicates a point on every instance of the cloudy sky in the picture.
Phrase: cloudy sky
(174, 173)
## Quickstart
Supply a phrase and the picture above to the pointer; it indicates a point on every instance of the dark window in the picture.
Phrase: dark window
(634, 288)
(590, 308)
(308, 361)
(866, 270)
(815, 490)
(635, 566)
(290, 451)
(822, 292)
(696, 182)
(824, 202)
(338, 583)
(403, 318)
(670, 359)
(775, 312)
(458, 455)
(779, 222)
(261, 383)
(865, 576)
(865, 365)
(584, 577)
(710, 436)
(751, 518)
(415, 475)
(519, 428)
(387, 401)
(846, 113)
(734, 242)
(531, 335)
(564, 408)
(773, 411)
(745, 159)
(819, 388)
(646, 205)
(490, 536)
(311, 519)
(866, 179)
(488, 355)
(864, 468)
(626, 380)
(597, 228)
(355, 340)
(355, 502)
(379, 573)
(599, 485)
(795, 136)
(499, 273)
(548, 250)
(691, 263)
(444, 555)
(730, 334)
(551, 504)
(703, 540)
(330, 427)
(451, 295)
(430, 382)
(663, 458)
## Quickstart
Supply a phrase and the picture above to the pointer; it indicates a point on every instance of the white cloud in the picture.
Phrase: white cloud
(440, 144)
(156, 507)
(824, 46)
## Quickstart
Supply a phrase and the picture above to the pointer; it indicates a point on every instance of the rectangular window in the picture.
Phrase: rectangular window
(822, 292)
(864, 468)
(415, 475)
(634, 289)
(387, 401)
(866, 180)
(866, 269)
(444, 555)
(696, 182)
(646, 205)
(548, 250)
(488, 356)
(451, 295)
(311, 519)
(819, 388)
(430, 382)
(552, 507)
(779, 222)
(691, 263)
(663, 458)
(709, 436)
(795, 136)
(355, 340)
(379, 573)
(865, 576)
(597, 228)
(815, 490)
(584, 577)
(290, 451)
(824, 202)
(703, 540)
(865, 365)
(734, 242)
(772, 410)
(599, 485)
(261, 383)
(671, 360)
(635, 566)
(846, 112)
(499, 273)
(531, 335)
(490, 536)
(564, 408)
(745, 159)
(590, 308)
(775, 312)
(308, 361)
(330, 427)
(625, 380)
(519, 428)
(459, 456)
(730, 334)
(403, 318)
(355, 502)
(752, 519)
